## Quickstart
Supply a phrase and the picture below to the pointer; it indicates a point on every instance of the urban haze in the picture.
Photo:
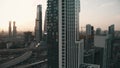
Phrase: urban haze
(59, 34)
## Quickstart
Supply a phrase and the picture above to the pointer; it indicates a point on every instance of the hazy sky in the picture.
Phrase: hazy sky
(99, 13)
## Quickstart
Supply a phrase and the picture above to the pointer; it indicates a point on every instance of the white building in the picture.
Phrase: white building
(70, 48)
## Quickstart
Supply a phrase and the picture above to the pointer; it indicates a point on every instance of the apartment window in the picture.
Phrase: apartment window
(62, 65)
(63, 36)
(63, 53)
(63, 46)
(63, 43)
(63, 17)
(63, 30)
(62, 3)
(63, 7)
(62, 13)
(63, 50)
(62, 62)
(63, 40)
(63, 26)
(63, 33)
(63, 23)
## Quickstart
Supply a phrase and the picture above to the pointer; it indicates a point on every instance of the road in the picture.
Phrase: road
(19, 59)
(32, 64)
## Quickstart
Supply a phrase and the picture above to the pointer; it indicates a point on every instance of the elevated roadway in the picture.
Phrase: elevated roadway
(21, 58)
(32, 64)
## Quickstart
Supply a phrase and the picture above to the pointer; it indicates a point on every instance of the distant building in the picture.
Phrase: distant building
(14, 30)
(98, 31)
(111, 30)
(38, 24)
(109, 47)
(10, 30)
(89, 29)
(89, 39)
(28, 37)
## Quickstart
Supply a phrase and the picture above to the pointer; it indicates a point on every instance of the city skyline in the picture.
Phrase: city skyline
(60, 34)
(95, 12)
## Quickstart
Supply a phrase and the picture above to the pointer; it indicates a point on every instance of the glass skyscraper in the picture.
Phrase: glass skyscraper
(38, 24)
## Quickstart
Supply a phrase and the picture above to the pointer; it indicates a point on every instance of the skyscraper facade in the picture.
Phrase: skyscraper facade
(63, 34)
(69, 33)
(52, 33)
(38, 24)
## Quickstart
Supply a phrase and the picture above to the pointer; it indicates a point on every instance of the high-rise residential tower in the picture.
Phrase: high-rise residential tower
(63, 34)
(38, 24)
(52, 33)
(10, 30)
(14, 30)
(69, 47)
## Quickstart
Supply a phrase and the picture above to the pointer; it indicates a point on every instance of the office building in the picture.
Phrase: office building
(63, 34)
(38, 24)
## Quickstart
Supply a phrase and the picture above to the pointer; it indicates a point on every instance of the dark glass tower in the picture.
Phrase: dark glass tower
(38, 24)
(52, 33)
